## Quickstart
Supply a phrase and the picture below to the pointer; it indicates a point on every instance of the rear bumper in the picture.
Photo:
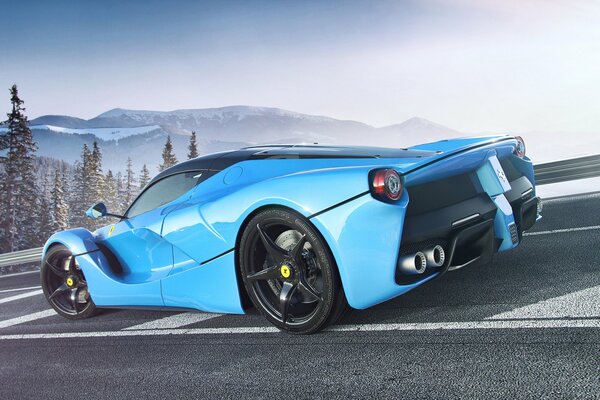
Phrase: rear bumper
(367, 237)
(470, 230)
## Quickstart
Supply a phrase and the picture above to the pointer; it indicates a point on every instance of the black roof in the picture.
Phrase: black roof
(222, 160)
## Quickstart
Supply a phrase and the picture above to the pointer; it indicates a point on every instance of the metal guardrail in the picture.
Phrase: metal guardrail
(21, 257)
(552, 172)
(567, 170)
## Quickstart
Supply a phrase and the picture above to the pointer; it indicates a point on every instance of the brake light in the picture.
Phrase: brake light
(386, 185)
(520, 149)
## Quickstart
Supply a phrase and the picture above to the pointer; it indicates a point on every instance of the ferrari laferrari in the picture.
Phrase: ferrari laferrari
(300, 233)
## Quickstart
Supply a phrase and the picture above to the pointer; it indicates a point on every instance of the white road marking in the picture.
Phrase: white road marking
(27, 318)
(21, 296)
(431, 326)
(581, 228)
(174, 321)
(572, 196)
(18, 289)
(20, 273)
(434, 326)
(581, 304)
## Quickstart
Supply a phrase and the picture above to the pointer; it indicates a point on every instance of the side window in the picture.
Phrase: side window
(164, 191)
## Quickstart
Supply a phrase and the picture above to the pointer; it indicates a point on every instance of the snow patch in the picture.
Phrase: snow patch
(100, 133)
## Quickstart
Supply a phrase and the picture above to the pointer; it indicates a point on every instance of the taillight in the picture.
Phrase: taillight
(386, 185)
(520, 149)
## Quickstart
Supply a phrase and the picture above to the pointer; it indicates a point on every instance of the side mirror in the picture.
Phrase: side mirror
(97, 211)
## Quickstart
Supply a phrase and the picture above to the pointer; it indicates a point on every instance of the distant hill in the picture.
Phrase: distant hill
(141, 134)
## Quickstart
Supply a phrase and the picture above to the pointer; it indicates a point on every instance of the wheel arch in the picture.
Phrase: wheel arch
(245, 298)
(78, 241)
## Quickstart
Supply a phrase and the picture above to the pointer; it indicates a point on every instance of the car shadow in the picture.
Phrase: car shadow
(543, 267)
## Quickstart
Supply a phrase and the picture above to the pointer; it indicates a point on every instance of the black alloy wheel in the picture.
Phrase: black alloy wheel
(64, 284)
(289, 273)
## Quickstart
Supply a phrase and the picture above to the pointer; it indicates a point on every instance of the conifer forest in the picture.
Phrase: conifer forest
(41, 195)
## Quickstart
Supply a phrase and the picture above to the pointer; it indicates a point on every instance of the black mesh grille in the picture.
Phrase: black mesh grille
(512, 173)
(514, 234)
(438, 194)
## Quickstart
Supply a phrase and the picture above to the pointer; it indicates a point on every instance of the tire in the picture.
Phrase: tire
(64, 285)
(289, 273)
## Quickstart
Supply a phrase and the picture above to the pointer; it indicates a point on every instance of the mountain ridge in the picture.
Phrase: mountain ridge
(234, 110)
(141, 134)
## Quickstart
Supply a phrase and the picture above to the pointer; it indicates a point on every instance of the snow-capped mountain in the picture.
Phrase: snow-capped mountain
(141, 134)
(251, 125)
(419, 130)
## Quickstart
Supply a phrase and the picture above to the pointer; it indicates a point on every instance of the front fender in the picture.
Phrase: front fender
(78, 241)
(105, 288)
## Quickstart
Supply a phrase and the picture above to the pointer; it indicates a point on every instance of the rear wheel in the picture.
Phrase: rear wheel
(289, 273)
(64, 284)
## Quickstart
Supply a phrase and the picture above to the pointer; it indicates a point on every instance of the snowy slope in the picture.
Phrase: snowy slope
(100, 133)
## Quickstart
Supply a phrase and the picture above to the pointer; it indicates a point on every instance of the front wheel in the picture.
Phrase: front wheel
(289, 273)
(64, 285)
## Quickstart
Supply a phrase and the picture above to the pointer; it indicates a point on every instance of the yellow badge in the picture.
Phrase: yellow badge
(285, 271)
(70, 281)
(110, 231)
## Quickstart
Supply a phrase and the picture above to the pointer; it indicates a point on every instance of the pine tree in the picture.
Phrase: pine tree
(45, 213)
(95, 176)
(94, 183)
(80, 195)
(111, 195)
(58, 204)
(193, 147)
(130, 189)
(18, 188)
(144, 177)
(120, 194)
(168, 157)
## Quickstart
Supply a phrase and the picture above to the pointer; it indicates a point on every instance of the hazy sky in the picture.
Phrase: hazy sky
(472, 65)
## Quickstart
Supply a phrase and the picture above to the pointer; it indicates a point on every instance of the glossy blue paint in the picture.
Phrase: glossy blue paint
(210, 222)
(77, 240)
(210, 287)
(165, 252)
(504, 217)
(105, 287)
(457, 162)
(110, 290)
(494, 182)
(364, 237)
(487, 174)
(137, 242)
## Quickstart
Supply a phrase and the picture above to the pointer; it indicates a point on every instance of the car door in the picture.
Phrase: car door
(136, 240)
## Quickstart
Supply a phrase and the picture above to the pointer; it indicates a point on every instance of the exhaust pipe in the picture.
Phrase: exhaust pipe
(435, 256)
(413, 264)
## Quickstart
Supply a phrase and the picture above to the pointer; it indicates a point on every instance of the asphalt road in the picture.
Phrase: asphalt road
(525, 326)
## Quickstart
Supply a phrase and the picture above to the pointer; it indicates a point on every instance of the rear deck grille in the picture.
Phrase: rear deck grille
(439, 194)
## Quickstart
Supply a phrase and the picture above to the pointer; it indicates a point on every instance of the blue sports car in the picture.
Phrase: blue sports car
(301, 232)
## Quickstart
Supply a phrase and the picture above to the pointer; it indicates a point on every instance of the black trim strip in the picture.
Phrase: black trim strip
(152, 308)
(445, 156)
(84, 253)
(217, 256)
(339, 204)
